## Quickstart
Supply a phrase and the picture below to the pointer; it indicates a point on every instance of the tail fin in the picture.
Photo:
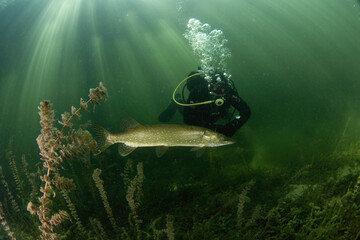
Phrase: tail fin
(101, 137)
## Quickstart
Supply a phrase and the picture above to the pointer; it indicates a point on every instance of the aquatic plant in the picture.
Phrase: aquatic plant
(100, 185)
(241, 203)
(133, 196)
(14, 204)
(54, 147)
(5, 224)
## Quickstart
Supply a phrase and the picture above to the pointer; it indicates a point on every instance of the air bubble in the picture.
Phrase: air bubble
(209, 46)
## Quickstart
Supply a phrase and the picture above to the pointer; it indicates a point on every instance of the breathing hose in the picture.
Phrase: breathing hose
(189, 104)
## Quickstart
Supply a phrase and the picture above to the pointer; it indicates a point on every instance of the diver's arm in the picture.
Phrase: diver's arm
(191, 117)
(243, 115)
(195, 117)
(244, 111)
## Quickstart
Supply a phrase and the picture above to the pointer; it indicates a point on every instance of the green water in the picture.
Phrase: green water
(295, 62)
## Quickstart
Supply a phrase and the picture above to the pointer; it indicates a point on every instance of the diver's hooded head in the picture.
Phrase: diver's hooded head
(220, 82)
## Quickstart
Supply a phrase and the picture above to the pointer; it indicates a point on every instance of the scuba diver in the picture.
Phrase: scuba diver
(208, 102)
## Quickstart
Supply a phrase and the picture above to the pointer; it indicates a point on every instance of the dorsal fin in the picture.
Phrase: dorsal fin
(128, 122)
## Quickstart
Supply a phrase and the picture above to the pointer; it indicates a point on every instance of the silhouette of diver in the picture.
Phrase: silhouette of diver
(209, 101)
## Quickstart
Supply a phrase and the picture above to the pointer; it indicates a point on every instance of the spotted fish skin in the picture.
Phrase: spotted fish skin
(161, 136)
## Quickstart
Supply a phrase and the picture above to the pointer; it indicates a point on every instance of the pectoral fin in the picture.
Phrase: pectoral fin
(125, 150)
(161, 150)
(199, 151)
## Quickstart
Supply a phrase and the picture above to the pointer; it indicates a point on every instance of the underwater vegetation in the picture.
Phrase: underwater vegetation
(72, 194)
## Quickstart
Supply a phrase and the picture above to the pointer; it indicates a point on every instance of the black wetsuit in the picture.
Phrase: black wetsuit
(206, 115)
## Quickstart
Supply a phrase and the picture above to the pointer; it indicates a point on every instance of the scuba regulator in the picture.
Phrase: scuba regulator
(217, 88)
(219, 102)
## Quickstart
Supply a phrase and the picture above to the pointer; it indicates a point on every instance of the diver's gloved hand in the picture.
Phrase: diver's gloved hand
(228, 130)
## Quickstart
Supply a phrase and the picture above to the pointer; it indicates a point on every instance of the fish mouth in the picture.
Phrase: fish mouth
(228, 139)
(228, 142)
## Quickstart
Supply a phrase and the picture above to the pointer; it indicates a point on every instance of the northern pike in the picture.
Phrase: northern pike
(161, 136)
